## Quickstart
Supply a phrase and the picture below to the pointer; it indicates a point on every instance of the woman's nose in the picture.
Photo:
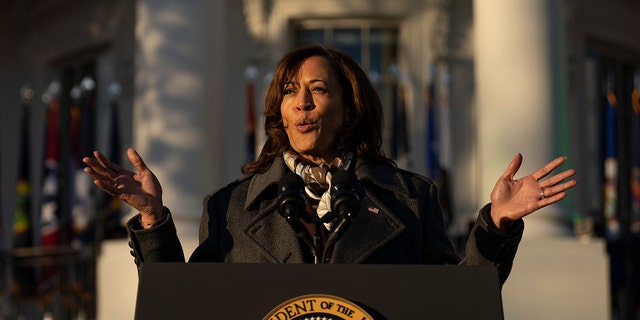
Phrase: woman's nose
(305, 103)
(305, 106)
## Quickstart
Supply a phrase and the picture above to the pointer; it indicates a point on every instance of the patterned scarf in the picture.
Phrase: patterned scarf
(317, 180)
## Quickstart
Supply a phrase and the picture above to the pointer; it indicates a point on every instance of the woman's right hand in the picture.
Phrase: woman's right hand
(140, 190)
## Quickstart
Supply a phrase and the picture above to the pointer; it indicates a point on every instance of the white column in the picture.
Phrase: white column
(178, 127)
(517, 58)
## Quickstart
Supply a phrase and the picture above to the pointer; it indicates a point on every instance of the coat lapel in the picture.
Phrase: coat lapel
(269, 231)
(372, 228)
(273, 236)
(376, 223)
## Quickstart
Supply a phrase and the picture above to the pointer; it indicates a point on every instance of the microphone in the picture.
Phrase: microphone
(344, 200)
(344, 204)
(290, 204)
(291, 196)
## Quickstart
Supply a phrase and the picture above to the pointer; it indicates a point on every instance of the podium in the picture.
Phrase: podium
(253, 291)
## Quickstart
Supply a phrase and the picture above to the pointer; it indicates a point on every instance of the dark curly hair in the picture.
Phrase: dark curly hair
(364, 133)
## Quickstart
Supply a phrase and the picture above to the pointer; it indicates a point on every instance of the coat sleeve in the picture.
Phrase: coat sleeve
(212, 229)
(486, 246)
(157, 244)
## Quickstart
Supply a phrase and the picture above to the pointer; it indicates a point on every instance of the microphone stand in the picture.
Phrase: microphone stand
(345, 203)
(290, 203)
(314, 244)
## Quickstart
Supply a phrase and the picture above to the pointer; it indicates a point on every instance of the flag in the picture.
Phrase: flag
(23, 278)
(612, 223)
(635, 160)
(440, 147)
(250, 122)
(109, 208)
(82, 210)
(22, 220)
(250, 127)
(431, 133)
(82, 207)
(50, 213)
(444, 146)
(399, 140)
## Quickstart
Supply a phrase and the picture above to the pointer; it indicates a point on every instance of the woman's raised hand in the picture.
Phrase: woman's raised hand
(140, 190)
(514, 199)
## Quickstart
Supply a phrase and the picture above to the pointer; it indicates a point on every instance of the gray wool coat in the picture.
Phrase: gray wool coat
(399, 222)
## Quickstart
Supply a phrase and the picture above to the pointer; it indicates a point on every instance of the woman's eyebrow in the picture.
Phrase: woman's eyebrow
(290, 83)
(317, 80)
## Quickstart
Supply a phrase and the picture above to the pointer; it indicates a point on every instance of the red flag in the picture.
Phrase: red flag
(49, 214)
(250, 128)
(635, 160)
(250, 122)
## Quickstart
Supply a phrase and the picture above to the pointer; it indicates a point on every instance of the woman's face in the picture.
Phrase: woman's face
(312, 110)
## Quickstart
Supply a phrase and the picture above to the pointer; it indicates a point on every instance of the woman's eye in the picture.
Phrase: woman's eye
(319, 89)
(288, 91)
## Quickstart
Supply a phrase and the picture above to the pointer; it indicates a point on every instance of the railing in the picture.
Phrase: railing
(48, 283)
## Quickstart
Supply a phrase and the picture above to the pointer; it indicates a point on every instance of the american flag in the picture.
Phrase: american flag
(50, 213)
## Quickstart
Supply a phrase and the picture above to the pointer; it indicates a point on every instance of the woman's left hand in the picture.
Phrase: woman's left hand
(514, 199)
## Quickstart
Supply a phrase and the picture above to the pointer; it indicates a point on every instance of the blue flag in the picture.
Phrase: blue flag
(612, 222)
(108, 208)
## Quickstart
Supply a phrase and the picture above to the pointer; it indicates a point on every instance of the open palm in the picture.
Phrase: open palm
(514, 199)
(140, 190)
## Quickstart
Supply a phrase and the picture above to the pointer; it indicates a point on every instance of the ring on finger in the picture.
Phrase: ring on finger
(542, 194)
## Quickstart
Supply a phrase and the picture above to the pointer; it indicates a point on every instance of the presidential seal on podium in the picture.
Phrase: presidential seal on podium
(318, 307)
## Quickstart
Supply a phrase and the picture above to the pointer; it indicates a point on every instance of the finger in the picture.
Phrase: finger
(552, 191)
(555, 179)
(551, 200)
(107, 168)
(108, 187)
(136, 160)
(556, 193)
(95, 169)
(111, 169)
(513, 168)
(106, 184)
(547, 168)
(95, 175)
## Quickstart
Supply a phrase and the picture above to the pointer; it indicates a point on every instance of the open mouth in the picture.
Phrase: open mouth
(306, 125)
